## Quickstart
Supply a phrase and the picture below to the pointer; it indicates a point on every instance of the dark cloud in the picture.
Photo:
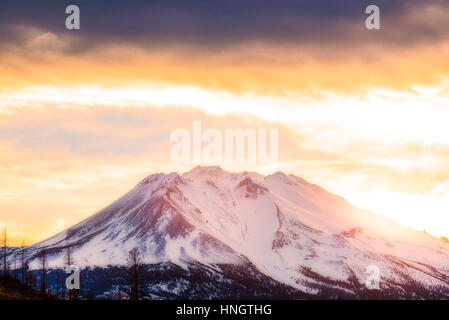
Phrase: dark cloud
(214, 23)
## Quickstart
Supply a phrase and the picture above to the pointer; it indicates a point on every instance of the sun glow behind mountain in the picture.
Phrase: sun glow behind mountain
(84, 116)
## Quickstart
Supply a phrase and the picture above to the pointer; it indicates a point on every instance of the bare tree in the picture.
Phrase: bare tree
(72, 294)
(68, 260)
(136, 275)
(31, 279)
(4, 244)
(23, 264)
(44, 265)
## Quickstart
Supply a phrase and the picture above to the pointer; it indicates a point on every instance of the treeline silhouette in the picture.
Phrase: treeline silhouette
(19, 281)
(134, 281)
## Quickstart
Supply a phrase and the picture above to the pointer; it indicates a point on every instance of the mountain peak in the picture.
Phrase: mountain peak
(152, 178)
(211, 171)
(160, 177)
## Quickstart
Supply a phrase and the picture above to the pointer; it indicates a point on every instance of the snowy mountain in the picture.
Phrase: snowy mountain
(277, 230)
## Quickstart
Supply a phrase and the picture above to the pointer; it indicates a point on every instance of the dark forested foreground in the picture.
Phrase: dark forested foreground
(195, 282)
(15, 289)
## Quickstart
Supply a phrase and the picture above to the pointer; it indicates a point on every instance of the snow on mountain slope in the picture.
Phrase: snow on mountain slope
(145, 218)
(292, 231)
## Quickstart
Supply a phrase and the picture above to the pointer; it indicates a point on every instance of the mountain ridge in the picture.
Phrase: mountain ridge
(292, 231)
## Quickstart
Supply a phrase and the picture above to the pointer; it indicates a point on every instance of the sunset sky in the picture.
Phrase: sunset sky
(86, 114)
